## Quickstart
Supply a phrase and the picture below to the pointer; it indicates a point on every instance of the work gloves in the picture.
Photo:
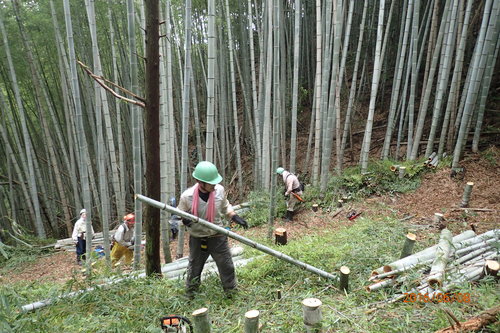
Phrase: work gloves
(238, 220)
(187, 222)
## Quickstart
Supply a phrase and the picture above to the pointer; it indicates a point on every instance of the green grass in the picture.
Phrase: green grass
(136, 306)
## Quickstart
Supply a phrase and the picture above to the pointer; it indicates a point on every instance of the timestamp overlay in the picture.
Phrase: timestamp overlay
(437, 297)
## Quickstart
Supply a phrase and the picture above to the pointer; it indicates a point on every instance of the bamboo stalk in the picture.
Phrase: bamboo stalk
(235, 236)
(423, 255)
(473, 247)
(381, 284)
(443, 253)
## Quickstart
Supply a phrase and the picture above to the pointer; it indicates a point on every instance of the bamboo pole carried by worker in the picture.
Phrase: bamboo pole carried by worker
(235, 236)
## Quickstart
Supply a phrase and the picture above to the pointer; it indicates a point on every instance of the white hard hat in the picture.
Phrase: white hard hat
(82, 211)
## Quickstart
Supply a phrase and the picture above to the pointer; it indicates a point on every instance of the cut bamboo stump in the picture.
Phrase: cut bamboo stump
(278, 294)
(492, 267)
(311, 308)
(402, 171)
(252, 321)
(201, 321)
(340, 203)
(438, 218)
(408, 245)
(344, 278)
(394, 168)
(315, 207)
(467, 193)
(280, 236)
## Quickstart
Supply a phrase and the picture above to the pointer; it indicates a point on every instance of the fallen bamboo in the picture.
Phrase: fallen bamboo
(443, 253)
(431, 156)
(235, 236)
(382, 284)
(464, 251)
(475, 323)
(423, 255)
(171, 271)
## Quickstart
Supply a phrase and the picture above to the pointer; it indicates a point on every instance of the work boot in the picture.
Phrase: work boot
(289, 216)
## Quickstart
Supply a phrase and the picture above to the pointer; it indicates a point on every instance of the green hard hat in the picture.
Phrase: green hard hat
(207, 172)
(280, 170)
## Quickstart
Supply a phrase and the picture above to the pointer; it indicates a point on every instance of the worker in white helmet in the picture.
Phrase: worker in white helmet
(79, 238)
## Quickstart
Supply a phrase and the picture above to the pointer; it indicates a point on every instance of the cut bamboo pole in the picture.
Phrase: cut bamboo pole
(486, 243)
(381, 284)
(344, 278)
(252, 321)
(201, 320)
(467, 194)
(473, 254)
(311, 308)
(422, 256)
(443, 253)
(408, 245)
(235, 236)
(431, 156)
(402, 171)
(433, 163)
(492, 267)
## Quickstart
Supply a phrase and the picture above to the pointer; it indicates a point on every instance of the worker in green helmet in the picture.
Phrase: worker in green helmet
(292, 184)
(207, 200)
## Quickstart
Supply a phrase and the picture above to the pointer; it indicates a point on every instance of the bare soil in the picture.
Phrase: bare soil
(438, 193)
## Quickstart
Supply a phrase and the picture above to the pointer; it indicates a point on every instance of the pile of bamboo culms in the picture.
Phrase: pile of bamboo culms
(453, 261)
(433, 160)
(68, 244)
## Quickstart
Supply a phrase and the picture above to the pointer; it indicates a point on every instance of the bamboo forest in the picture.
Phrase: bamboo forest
(108, 106)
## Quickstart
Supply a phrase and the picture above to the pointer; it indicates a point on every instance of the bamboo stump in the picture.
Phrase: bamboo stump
(315, 207)
(394, 168)
(280, 236)
(252, 321)
(467, 193)
(344, 278)
(340, 203)
(201, 321)
(278, 294)
(402, 171)
(492, 267)
(311, 308)
(408, 245)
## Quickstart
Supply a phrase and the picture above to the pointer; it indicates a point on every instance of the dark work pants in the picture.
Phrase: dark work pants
(218, 248)
(81, 246)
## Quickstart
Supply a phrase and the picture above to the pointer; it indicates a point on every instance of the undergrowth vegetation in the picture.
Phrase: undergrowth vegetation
(137, 305)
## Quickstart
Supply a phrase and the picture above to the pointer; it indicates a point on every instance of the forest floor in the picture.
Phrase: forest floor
(438, 193)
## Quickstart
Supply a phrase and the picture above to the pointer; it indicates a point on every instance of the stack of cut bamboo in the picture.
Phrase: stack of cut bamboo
(68, 244)
(454, 260)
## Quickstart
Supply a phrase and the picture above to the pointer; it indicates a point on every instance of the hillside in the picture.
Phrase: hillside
(438, 193)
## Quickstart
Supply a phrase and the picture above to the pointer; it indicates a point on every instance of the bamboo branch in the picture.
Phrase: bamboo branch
(474, 323)
(99, 80)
